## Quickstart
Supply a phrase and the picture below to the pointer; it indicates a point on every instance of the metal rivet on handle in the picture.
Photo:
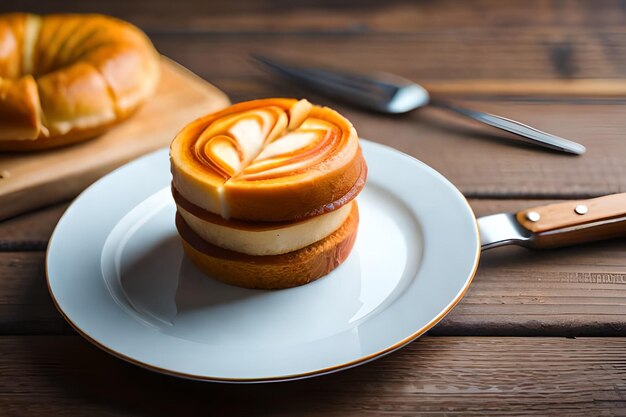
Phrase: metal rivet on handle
(533, 216)
(581, 209)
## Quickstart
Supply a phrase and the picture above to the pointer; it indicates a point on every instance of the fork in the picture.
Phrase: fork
(392, 94)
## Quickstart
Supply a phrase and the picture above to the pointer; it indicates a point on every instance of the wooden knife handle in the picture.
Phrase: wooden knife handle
(573, 222)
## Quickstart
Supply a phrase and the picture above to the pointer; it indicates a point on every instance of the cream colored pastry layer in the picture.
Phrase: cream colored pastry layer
(264, 240)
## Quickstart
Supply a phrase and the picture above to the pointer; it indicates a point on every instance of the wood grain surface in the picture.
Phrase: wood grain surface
(455, 376)
(539, 332)
(577, 291)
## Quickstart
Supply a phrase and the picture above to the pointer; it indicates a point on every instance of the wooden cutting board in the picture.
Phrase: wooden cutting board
(33, 180)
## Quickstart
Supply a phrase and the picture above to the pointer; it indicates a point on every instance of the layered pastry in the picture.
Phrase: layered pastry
(265, 192)
(67, 78)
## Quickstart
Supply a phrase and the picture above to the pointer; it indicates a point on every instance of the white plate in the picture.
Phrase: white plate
(117, 273)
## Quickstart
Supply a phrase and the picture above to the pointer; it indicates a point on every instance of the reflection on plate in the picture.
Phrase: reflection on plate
(147, 273)
(129, 289)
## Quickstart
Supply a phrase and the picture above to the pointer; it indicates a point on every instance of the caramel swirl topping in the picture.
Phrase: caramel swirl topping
(266, 142)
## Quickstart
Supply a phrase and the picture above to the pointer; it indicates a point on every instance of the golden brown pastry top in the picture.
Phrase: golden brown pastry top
(268, 160)
(66, 72)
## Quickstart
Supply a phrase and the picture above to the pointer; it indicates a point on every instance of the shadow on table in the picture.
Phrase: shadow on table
(439, 120)
(566, 292)
(78, 376)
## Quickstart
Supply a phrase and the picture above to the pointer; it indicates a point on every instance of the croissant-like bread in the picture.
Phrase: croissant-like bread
(264, 192)
(66, 78)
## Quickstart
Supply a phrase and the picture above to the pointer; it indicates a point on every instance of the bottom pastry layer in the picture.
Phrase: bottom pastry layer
(271, 271)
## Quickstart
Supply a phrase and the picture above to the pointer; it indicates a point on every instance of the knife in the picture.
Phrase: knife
(556, 225)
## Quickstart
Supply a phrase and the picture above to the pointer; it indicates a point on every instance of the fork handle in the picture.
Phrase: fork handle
(534, 135)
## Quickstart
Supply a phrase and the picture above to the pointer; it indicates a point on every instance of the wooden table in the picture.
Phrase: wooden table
(538, 333)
